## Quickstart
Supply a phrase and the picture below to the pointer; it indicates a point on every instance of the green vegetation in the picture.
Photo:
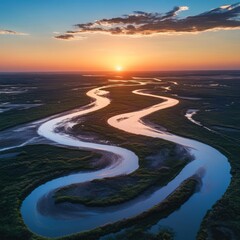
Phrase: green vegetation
(57, 93)
(141, 234)
(223, 221)
(147, 176)
(29, 168)
(149, 218)
(116, 190)
(22, 170)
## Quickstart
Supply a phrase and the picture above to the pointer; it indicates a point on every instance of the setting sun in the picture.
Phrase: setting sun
(119, 68)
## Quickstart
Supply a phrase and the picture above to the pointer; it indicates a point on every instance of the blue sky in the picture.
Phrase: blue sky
(45, 16)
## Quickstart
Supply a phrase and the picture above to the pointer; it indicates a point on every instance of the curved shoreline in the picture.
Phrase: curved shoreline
(122, 121)
(189, 115)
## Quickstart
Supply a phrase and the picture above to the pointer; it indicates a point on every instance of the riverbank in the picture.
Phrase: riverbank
(92, 218)
(161, 210)
(222, 221)
(32, 172)
(163, 120)
(160, 168)
(24, 169)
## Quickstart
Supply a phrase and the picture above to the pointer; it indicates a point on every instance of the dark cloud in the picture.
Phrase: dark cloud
(10, 32)
(143, 23)
(70, 35)
(65, 36)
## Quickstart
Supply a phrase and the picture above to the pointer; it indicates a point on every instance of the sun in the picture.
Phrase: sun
(118, 68)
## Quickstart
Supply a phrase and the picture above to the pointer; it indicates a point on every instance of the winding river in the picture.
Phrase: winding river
(64, 219)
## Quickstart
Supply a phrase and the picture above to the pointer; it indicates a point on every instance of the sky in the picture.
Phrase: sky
(128, 35)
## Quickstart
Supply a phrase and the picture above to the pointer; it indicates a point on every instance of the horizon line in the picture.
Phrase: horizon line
(123, 72)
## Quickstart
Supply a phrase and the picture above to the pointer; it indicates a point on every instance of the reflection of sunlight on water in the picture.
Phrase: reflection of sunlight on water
(51, 226)
(189, 115)
(93, 75)
(129, 122)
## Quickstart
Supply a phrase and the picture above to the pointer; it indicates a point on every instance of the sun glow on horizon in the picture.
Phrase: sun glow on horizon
(119, 68)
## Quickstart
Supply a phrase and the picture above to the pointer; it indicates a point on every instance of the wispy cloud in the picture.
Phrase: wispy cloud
(143, 23)
(69, 37)
(65, 37)
(11, 32)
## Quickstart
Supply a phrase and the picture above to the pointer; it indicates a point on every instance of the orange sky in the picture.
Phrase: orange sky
(38, 50)
(100, 52)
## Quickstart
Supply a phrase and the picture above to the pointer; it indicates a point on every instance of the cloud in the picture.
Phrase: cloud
(143, 23)
(11, 32)
(65, 37)
(69, 37)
